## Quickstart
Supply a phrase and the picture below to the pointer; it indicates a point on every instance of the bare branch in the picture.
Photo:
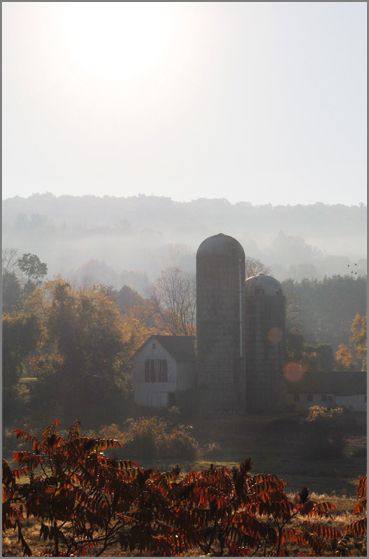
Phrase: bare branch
(173, 297)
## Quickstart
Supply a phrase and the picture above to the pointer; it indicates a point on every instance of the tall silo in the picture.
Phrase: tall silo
(265, 341)
(220, 281)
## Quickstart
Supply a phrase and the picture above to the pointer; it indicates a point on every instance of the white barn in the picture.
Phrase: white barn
(164, 369)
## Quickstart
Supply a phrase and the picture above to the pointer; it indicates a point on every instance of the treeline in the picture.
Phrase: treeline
(161, 213)
(323, 311)
(68, 347)
(149, 234)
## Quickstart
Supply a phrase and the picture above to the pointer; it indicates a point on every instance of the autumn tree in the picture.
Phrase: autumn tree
(253, 266)
(81, 352)
(344, 358)
(359, 339)
(173, 297)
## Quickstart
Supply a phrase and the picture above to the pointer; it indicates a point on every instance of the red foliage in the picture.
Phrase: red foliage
(86, 502)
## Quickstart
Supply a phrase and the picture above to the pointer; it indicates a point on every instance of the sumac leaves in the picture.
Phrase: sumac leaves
(86, 502)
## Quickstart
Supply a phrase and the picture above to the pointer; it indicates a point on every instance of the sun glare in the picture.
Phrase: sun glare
(117, 40)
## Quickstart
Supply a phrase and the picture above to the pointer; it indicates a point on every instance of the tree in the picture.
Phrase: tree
(128, 298)
(344, 357)
(325, 357)
(9, 259)
(326, 308)
(20, 336)
(32, 267)
(173, 297)
(311, 358)
(253, 266)
(81, 354)
(359, 340)
(12, 293)
(294, 345)
(293, 306)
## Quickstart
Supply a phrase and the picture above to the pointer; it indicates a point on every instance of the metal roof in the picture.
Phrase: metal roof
(220, 245)
(262, 285)
(181, 348)
(340, 383)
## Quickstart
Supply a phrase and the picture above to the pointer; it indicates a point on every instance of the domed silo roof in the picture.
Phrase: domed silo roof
(262, 285)
(219, 246)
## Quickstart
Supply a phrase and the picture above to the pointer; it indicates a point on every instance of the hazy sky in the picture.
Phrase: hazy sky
(263, 102)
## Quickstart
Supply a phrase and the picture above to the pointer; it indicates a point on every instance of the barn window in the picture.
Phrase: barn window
(163, 370)
(156, 370)
(296, 397)
(152, 371)
(324, 397)
(147, 370)
(310, 398)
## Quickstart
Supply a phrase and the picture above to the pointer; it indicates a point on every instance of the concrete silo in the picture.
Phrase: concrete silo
(265, 339)
(220, 282)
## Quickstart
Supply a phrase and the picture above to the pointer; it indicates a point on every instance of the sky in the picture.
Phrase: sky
(262, 102)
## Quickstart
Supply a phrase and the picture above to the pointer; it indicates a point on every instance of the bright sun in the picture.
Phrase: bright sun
(117, 39)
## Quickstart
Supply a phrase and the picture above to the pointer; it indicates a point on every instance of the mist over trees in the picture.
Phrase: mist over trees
(131, 240)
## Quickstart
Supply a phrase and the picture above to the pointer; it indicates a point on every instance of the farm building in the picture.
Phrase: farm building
(342, 389)
(164, 368)
(239, 365)
(240, 341)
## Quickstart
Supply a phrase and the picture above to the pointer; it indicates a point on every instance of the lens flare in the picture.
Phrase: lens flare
(275, 335)
(293, 371)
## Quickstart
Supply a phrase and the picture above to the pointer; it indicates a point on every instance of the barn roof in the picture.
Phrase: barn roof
(181, 348)
(340, 383)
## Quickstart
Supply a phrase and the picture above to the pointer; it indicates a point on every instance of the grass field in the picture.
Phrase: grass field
(274, 444)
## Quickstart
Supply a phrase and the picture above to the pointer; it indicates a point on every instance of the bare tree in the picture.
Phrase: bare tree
(253, 266)
(173, 297)
(10, 259)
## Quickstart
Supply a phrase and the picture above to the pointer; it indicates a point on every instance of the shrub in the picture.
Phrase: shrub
(150, 438)
(173, 415)
(84, 503)
(325, 433)
(212, 451)
(111, 432)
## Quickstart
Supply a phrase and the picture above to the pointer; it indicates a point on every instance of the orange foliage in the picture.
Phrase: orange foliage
(344, 356)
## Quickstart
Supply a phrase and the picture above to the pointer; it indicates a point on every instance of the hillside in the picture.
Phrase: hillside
(150, 233)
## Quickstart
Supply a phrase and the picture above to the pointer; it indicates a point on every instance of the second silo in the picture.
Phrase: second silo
(265, 337)
(220, 281)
